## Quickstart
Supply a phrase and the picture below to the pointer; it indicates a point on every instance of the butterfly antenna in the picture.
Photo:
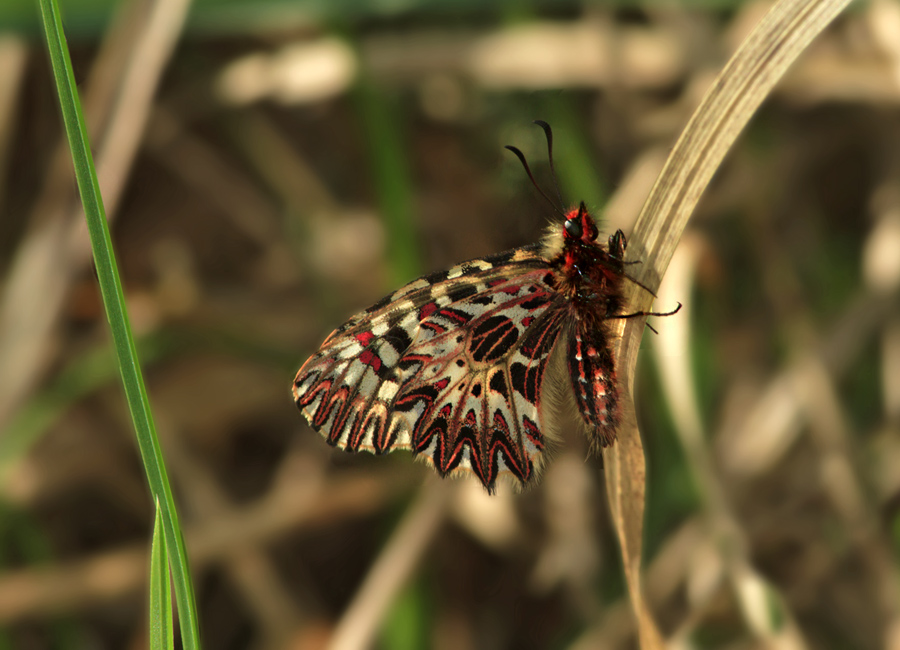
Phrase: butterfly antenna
(521, 157)
(549, 133)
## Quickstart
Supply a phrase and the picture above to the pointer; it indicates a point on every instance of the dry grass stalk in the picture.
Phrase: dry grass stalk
(747, 79)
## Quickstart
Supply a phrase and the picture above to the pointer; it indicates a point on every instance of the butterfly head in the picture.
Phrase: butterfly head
(580, 226)
(586, 269)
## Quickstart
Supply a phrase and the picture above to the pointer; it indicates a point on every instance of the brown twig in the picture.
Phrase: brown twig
(298, 500)
(392, 568)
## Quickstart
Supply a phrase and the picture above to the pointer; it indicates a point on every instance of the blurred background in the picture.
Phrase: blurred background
(272, 168)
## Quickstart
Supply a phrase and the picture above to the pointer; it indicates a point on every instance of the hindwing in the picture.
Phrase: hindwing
(449, 366)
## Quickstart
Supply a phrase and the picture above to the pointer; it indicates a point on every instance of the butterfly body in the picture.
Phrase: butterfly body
(477, 367)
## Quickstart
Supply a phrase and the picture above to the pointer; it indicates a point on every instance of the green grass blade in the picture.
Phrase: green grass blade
(114, 304)
(161, 637)
(391, 177)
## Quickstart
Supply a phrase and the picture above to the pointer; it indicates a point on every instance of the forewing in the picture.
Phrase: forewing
(449, 366)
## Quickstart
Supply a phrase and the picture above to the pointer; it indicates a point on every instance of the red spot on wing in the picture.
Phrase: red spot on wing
(370, 359)
(455, 316)
(433, 327)
(533, 433)
(364, 338)
(427, 310)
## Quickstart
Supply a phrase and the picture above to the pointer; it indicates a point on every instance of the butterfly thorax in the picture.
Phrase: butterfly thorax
(588, 275)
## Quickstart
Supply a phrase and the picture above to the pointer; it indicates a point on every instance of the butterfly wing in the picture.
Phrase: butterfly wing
(449, 366)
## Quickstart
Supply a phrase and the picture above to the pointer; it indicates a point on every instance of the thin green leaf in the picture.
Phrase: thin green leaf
(161, 637)
(114, 304)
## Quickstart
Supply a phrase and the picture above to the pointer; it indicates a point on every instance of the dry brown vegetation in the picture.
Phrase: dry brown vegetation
(267, 180)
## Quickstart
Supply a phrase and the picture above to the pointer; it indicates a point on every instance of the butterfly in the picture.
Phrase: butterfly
(476, 368)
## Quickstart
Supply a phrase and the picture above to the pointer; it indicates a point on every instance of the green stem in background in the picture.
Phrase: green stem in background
(114, 304)
(575, 162)
(393, 186)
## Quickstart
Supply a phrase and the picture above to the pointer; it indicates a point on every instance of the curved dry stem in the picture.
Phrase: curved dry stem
(773, 45)
(737, 92)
